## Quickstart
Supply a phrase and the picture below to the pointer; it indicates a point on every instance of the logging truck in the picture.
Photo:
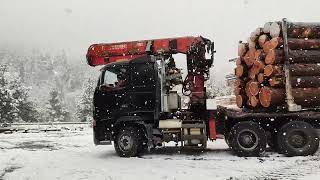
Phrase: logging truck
(136, 108)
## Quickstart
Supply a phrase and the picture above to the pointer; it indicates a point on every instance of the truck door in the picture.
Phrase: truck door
(110, 98)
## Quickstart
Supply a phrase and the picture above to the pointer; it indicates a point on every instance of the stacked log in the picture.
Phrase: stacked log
(260, 71)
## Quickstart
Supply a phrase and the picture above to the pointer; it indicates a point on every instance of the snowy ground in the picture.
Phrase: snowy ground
(71, 154)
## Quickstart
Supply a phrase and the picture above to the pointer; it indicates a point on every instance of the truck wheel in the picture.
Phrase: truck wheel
(128, 142)
(249, 139)
(298, 138)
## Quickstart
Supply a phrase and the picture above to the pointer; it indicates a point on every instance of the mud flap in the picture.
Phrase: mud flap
(149, 136)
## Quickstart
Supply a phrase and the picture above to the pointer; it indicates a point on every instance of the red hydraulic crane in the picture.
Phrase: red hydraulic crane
(194, 47)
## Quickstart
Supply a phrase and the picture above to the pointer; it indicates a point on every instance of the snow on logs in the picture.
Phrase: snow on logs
(260, 82)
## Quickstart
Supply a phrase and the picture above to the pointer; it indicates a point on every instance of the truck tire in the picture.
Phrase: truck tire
(249, 139)
(298, 138)
(128, 142)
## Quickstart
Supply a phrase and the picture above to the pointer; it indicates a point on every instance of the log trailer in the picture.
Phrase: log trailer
(136, 108)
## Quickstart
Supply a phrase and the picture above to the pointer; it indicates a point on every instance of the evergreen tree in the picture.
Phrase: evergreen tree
(55, 110)
(84, 105)
(14, 103)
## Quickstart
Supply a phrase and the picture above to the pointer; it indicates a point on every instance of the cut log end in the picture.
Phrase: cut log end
(271, 97)
(254, 101)
(271, 70)
(265, 97)
(260, 78)
(240, 100)
(266, 27)
(262, 40)
(271, 57)
(254, 88)
(275, 30)
(239, 70)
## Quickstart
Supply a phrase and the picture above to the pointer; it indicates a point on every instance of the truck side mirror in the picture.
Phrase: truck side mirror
(103, 87)
(106, 87)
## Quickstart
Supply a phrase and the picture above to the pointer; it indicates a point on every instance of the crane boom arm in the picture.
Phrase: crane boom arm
(101, 54)
(195, 49)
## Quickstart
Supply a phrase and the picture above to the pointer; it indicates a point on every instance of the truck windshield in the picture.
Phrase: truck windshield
(115, 77)
(110, 78)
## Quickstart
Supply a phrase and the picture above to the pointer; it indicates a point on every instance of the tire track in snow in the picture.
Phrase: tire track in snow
(291, 170)
(9, 169)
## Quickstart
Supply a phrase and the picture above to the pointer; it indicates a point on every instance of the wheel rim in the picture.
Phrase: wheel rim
(297, 139)
(125, 142)
(247, 139)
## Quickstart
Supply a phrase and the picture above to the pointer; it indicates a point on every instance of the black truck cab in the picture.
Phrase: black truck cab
(126, 91)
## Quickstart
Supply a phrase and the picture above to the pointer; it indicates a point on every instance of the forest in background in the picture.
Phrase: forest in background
(38, 86)
(42, 87)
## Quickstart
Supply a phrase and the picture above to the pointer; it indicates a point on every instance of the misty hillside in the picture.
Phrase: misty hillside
(40, 73)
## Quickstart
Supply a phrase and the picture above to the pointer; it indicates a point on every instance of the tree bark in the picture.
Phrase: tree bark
(304, 56)
(307, 97)
(295, 70)
(305, 44)
(304, 30)
(296, 81)
(305, 69)
(271, 97)
(276, 56)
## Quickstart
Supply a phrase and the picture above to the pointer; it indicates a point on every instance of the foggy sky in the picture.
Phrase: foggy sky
(72, 25)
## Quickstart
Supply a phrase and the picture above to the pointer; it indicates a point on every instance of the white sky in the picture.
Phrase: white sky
(72, 25)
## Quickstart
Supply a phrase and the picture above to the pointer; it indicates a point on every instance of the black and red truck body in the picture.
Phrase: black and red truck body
(137, 108)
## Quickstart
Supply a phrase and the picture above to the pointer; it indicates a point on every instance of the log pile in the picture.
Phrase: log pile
(261, 80)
